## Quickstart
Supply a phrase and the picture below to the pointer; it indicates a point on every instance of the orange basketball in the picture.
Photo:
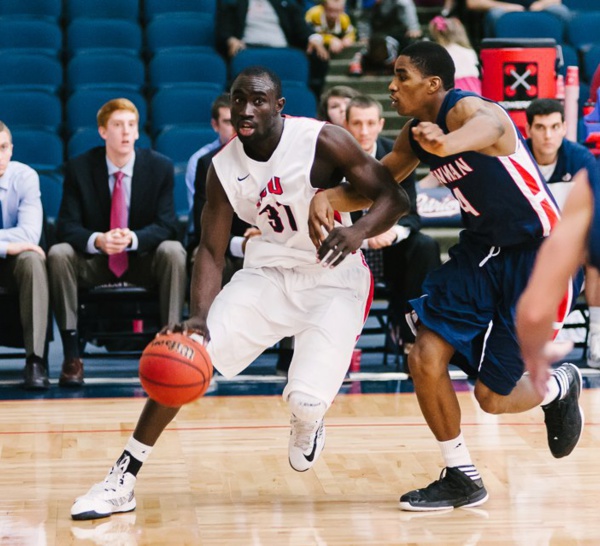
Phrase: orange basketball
(175, 369)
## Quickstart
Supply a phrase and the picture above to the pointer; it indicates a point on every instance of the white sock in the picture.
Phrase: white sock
(553, 391)
(594, 315)
(137, 449)
(306, 407)
(455, 452)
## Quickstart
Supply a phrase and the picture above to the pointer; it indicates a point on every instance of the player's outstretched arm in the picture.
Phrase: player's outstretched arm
(207, 272)
(339, 155)
(537, 308)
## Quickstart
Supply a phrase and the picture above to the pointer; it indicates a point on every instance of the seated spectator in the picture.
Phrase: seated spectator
(333, 103)
(329, 21)
(450, 33)
(220, 121)
(116, 223)
(402, 256)
(270, 23)
(22, 260)
(494, 9)
(393, 25)
(559, 160)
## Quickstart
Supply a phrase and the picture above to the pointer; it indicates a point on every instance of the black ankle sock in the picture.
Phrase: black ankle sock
(132, 464)
(70, 341)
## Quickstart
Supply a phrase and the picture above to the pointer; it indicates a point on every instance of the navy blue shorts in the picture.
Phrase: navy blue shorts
(470, 301)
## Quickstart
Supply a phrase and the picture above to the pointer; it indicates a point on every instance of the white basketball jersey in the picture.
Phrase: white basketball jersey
(275, 195)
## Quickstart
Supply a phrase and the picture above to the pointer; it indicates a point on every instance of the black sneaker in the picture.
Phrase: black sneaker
(564, 418)
(453, 490)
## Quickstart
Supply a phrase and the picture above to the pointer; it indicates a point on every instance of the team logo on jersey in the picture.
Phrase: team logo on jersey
(242, 178)
(453, 171)
(273, 187)
(520, 81)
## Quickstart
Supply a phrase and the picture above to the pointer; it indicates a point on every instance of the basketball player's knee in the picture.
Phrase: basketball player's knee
(306, 407)
(488, 400)
(417, 364)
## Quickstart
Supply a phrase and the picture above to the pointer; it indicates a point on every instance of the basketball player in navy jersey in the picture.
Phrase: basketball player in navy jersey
(576, 240)
(466, 313)
(268, 175)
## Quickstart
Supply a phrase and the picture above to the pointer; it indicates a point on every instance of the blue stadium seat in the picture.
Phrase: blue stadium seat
(28, 71)
(172, 67)
(570, 58)
(83, 105)
(109, 9)
(51, 188)
(182, 106)
(154, 8)
(87, 138)
(168, 31)
(117, 35)
(48, 9)
(591, 60)
(299, 100)
(30, 36)
(179, 143)
(41, 150)
(582, 29)
(30, 109)
(288, 63)
(582, 5)
(530, 24)
(99, 70)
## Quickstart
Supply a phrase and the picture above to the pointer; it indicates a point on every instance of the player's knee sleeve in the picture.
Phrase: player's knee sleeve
(306, 407)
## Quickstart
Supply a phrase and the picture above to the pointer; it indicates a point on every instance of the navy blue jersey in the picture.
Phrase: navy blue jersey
(594, 236)
(504, 200)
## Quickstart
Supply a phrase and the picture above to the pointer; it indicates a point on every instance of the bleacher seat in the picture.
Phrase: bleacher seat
(569, 57)
(102, 70)
(108, 9)
(172, 67)
(48, 9)
(28, 71)
(530, 24)
(175, 31)
(182, 106)
(83, 105)
(299, 100)
(582, 5)
(88, 138)
(288, 63)
(108, 35)
(582, 29)
(154, 8)
(51, 188)
(30, 109)
(179, 143)
(591, 60)
(30, 36)
(41, 150)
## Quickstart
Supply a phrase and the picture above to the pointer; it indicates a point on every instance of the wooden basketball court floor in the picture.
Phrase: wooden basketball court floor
(219, 475)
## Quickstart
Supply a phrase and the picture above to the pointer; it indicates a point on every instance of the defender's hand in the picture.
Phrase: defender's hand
(320, 215)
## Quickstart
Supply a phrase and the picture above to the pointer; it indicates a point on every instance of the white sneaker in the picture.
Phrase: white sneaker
(307, 439)
(114, 494)
(593, 353)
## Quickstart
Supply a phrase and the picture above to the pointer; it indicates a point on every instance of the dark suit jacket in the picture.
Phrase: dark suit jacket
(231, 22)
(85, 206)
(238, 226)
(412, 219)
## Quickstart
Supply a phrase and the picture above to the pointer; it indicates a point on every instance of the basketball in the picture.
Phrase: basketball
(175, 369)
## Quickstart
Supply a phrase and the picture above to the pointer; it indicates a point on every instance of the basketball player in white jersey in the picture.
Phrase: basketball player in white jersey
(268, 174)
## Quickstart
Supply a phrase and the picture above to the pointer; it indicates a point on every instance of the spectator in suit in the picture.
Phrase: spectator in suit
(401, 256)
(22, 260)
(559, 160)
(270, 23)
(220, 121)
(116, 223)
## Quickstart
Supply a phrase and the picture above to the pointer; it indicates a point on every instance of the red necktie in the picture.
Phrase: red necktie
(118, 263)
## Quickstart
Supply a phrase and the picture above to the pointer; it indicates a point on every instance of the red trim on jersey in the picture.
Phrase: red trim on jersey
(534, 185)
(371, 291)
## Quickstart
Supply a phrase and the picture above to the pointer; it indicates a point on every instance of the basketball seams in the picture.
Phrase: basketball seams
(176, 359)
